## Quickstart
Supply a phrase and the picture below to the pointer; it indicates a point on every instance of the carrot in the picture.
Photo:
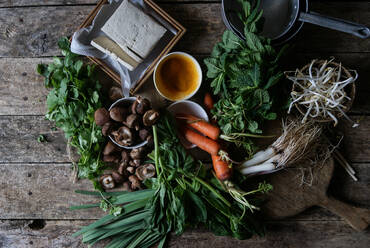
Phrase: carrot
(221, 168)
(204, 143)
(208, 101)
(201, 126)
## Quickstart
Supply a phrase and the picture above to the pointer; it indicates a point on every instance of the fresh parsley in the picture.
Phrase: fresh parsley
(71, 102)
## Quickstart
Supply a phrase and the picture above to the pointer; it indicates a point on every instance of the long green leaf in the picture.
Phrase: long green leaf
(134, 218)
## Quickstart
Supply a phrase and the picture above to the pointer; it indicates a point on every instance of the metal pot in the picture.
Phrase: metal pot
(284, 18)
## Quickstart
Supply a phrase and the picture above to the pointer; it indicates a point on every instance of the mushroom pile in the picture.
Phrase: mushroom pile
(130, 125)
(129, 168)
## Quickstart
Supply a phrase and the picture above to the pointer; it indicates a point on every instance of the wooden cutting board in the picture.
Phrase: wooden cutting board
(289, 197)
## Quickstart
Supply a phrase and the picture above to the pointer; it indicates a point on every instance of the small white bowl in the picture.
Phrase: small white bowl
(187, 107)
(198, 69)
(127, 101)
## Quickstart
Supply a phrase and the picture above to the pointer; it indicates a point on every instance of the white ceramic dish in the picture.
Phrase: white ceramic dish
(125, 102)
(188, 107)
(198, 69)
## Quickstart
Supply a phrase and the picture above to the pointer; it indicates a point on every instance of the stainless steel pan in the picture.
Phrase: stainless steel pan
(284, 18)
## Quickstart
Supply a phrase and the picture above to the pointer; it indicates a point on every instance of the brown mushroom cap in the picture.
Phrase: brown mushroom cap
(122, 168)
(109, 148)
(115, 93)
(132, 121)
(107, 181)
(107, 128)
(118, 178)
(123, 136)
(110, 159)
(143, 134)
(137, 153)
(118, 113)
(150, 117)
(135, 182)
(140, 105)
(101, 116)
(130, 169)
(126, 186)
(145, 171)
(125, 156)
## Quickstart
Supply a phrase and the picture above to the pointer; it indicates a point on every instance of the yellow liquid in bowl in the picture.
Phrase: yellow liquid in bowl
(177, 76)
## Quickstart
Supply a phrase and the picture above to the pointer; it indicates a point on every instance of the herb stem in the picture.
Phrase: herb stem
(210, 188)
(156, 150)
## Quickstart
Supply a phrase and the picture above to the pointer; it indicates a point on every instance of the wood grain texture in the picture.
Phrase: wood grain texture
(33, 32)
(18, 233)
(18, 140)
(42, 191)
(23, 92)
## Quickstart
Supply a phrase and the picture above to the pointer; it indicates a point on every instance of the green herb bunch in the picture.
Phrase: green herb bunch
(184, 194)
(243, 74)
(71, 103)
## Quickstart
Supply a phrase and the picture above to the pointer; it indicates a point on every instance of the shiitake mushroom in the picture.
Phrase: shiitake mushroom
(101, 116)
(137, 153)
(145, 171)
(118, 114)
(150, 117)
(132, 121)
(115, 93)
(123, 136)
(140, 105)
(107, 128)
(109, 148)
(107, 181)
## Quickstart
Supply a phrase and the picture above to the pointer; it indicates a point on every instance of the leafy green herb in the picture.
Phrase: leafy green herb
(41, 138)
(182, 195)
(74, 96)
(244, 74)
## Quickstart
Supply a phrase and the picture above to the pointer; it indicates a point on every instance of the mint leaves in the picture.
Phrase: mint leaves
(243, 74)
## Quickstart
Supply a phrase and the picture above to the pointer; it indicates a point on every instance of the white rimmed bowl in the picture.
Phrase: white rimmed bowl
(187, 107)
(125, 102)
(198, 69)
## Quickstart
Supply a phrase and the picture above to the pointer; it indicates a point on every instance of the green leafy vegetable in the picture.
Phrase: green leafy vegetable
(74, 96)
(244, 74)
(182, 195)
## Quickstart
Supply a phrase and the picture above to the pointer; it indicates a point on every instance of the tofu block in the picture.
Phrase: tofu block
(133, 30)
(111, 48)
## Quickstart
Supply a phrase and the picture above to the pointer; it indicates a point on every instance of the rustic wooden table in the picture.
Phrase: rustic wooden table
(35, 190)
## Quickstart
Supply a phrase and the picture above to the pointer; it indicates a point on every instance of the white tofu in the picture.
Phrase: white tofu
(133, 30)
(111, 48)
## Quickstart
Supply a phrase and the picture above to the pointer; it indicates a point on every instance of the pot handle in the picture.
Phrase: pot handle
(336, 24)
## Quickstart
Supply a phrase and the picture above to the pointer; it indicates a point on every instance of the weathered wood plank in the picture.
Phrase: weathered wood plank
(18, 140)
(18, 74)
(330, 234)
(20, 3)
(25, 34)
(42, 191)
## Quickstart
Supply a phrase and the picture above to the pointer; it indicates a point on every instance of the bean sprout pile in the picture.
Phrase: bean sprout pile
(320, 89)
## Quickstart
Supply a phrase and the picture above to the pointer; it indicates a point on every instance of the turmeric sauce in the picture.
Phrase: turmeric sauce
(177, 77)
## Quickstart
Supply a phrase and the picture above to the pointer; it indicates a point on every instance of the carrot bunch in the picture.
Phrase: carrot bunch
(205, 135)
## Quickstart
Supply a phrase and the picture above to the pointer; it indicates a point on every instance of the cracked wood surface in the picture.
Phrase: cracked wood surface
(35, 191)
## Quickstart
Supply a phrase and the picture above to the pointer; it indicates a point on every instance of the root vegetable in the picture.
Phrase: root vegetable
(101, 116)
(298, 141)
(204, 143)
(201, 125)
(222, 169)
(208, 101)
